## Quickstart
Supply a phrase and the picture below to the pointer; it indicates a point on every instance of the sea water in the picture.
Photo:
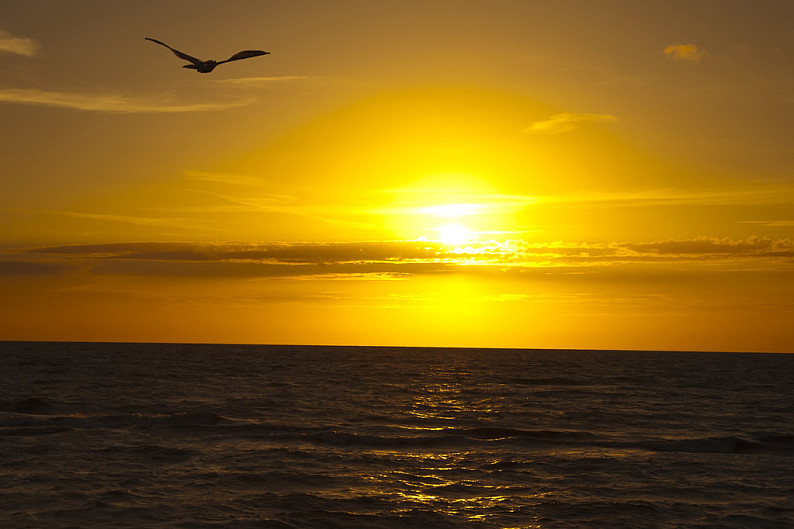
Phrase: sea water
(195, 436)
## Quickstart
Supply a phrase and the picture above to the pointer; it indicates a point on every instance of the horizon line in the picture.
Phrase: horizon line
(349, 346)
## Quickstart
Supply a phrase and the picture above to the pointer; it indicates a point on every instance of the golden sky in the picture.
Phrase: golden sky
(533, 174)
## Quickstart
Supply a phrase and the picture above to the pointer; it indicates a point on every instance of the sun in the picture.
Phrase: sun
(452, 208)
(453, 234)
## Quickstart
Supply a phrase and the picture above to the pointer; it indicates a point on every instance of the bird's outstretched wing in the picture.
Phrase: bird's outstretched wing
(245, 55)
(178, 53)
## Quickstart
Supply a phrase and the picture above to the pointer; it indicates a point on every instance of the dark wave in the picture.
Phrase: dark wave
(782, 440)
(712, 445)
(547, 381)
(33, 405)
(39, 424)
(446, 437)
(355, 439)
(34, 430)
(722, 445)
(35, 424)
(550, 438)
(542, 435)
(150, 452)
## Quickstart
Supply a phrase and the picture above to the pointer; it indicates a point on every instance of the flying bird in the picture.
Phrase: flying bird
(207, 66)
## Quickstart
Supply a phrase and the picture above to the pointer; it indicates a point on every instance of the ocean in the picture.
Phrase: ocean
(211, 436)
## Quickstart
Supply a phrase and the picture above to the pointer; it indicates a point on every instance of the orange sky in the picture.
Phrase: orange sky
(572, 174)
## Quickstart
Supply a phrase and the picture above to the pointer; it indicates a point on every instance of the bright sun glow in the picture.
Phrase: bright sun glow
(454, 234)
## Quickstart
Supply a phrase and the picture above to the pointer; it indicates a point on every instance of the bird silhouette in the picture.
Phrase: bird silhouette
(207, 66)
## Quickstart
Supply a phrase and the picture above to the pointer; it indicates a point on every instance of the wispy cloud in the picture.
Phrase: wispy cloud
(565, 122)
(771, 223)
(264, 81)
(224, 178)
(111, 103)
(256, 195)
(18, 45)
(130, 219)
(759, 195)
(684, 52)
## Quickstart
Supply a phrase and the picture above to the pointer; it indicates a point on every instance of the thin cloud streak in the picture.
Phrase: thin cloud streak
(17, 45)
(110, 103)
(762, 195)
(129, 219)
(265, 80)
(224, 178)
(278, 204)
(565, 122)
(771, 223)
